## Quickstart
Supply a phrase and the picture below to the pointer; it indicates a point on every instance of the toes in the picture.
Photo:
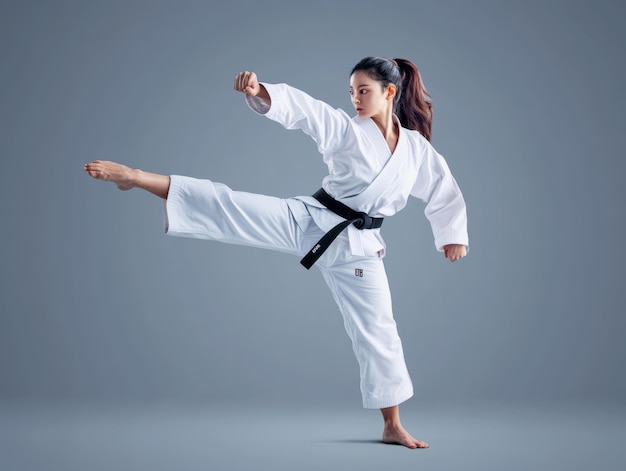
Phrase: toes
(409, 443)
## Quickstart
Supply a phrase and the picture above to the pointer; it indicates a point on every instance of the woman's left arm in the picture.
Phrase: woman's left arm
(445, 205)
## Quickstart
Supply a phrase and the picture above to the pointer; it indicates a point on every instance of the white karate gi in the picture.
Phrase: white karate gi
(355, 152)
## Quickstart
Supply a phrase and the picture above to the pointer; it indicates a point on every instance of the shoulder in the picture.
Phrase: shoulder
(416, 138)
(412, 134)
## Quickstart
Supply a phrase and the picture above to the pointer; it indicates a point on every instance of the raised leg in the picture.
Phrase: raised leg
(126, 178)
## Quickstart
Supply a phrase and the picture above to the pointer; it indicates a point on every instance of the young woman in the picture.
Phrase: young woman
(376, 160)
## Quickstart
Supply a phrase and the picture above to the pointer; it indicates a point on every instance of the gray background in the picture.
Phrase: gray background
(98, 306)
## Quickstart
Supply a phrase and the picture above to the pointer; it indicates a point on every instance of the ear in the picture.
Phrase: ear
(391, 91)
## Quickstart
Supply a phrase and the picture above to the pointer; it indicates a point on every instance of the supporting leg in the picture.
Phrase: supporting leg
(361, 290)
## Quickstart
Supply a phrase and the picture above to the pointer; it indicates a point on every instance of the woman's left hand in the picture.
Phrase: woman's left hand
(454, 252)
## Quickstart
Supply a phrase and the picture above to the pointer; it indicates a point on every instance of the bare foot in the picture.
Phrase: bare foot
(119, 174)
(395, 434)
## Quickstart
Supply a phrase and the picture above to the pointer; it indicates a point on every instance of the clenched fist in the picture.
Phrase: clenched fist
(454, 252)
(247, 82)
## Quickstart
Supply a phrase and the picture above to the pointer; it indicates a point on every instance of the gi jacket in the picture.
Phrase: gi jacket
(364, 174)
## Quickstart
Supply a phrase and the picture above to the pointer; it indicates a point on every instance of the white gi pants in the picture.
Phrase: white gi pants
(208, 210)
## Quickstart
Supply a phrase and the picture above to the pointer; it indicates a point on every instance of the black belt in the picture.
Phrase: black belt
(360, 220)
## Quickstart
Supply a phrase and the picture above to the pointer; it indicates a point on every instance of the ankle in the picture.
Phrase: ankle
(393, 424)
(136, 177)
(391, 417)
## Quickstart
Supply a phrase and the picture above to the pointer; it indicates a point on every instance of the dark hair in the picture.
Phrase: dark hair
(412, 103)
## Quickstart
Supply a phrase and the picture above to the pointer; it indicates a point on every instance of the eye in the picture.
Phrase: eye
(362, 91)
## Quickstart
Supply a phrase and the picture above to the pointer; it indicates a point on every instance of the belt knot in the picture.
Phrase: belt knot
(364, 221)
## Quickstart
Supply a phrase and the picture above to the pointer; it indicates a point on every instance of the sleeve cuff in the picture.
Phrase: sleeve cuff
(452, 238)
(258, 105)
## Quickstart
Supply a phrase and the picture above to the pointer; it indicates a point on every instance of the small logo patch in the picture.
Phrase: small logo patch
(358, 272)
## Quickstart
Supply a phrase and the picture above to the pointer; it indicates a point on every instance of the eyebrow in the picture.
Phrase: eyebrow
(362, 85)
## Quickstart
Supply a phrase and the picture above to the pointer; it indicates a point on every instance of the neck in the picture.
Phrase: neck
(389, 128)
(386, 124)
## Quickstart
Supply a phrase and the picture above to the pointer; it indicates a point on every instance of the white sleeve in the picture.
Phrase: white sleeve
(294, 109)
(445, 205)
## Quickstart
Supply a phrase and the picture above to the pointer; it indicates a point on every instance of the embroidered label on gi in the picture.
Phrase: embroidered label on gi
(358, 272)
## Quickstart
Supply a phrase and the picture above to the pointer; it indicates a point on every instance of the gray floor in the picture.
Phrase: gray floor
(165, 437)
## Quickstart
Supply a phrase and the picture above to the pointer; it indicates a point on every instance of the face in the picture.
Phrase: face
(369, 98)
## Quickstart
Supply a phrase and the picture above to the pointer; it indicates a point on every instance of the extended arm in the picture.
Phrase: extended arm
(295, 109)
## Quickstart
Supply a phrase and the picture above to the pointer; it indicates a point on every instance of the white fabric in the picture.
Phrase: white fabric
(361, 175)
(355, 152)
(207, 210)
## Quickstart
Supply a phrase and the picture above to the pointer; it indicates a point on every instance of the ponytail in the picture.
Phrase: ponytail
(412, 103)
(414, 106)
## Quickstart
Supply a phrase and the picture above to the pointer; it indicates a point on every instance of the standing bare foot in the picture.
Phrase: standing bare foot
(119, 174)
(395, 434)
(394, 431)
